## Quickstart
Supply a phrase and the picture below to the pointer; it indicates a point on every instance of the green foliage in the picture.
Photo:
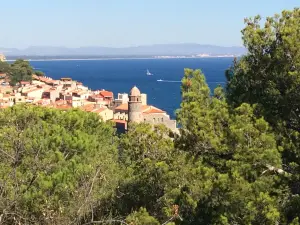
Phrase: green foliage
(4, 67)
(197, 117)
(217, 174)
(236, 160)
(269, 77)
(55, 165)
(269, 74)
(20, 70)
(238, 147)
(39, 73)
(295, 221)
(147, 156)
(141, 217)
(157, 173)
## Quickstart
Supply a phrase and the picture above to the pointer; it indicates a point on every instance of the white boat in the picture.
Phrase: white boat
(159, 80)
(148, 73)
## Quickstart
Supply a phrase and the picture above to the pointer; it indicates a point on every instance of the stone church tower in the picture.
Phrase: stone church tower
(135, 106)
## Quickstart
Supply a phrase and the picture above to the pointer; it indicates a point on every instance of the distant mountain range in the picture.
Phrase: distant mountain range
(147, 50)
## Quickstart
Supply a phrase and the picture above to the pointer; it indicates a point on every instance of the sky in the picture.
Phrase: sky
(122, 23)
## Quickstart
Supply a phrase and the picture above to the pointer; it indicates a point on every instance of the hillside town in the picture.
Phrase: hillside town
(65, 94)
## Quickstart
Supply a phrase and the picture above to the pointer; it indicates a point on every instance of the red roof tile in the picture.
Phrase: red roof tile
(106, 94)
(145, 108)
(122, 107)
(88, 108)
(153, 110)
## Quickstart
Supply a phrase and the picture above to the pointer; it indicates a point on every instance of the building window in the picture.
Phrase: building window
(162, 120)
(154, 120)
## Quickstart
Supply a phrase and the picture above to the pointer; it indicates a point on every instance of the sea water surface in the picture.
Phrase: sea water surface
(120, 75)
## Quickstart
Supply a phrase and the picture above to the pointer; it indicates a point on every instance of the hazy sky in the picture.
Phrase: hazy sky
(118, 23)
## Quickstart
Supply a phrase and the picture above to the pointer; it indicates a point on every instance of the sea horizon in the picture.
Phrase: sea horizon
(120, 75)
(118, 58)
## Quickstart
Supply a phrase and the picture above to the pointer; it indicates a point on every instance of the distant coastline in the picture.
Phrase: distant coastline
(184, 50)
(59, 58)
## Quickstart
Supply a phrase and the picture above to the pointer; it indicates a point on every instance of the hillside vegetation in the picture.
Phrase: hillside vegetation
(236, 160)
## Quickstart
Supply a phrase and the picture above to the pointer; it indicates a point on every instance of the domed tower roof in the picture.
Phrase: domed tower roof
(135, 91)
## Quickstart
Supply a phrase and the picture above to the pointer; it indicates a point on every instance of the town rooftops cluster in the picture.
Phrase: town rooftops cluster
(65, 94)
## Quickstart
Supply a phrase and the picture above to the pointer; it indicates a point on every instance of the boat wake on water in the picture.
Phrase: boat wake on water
(169, 81)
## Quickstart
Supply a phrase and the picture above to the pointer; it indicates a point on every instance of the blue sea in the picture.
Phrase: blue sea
(120, 75)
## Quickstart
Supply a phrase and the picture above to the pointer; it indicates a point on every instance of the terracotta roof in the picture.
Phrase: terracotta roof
(96, 96)
(107, 94)
(153, 109)
(44, 79)
(99, 110)
(91, 108)
(145, 108)
(122, 107)
(88, 108)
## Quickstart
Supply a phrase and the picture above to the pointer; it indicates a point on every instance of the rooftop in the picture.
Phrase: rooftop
(153, 109)
(148, 109)
(106, 94)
